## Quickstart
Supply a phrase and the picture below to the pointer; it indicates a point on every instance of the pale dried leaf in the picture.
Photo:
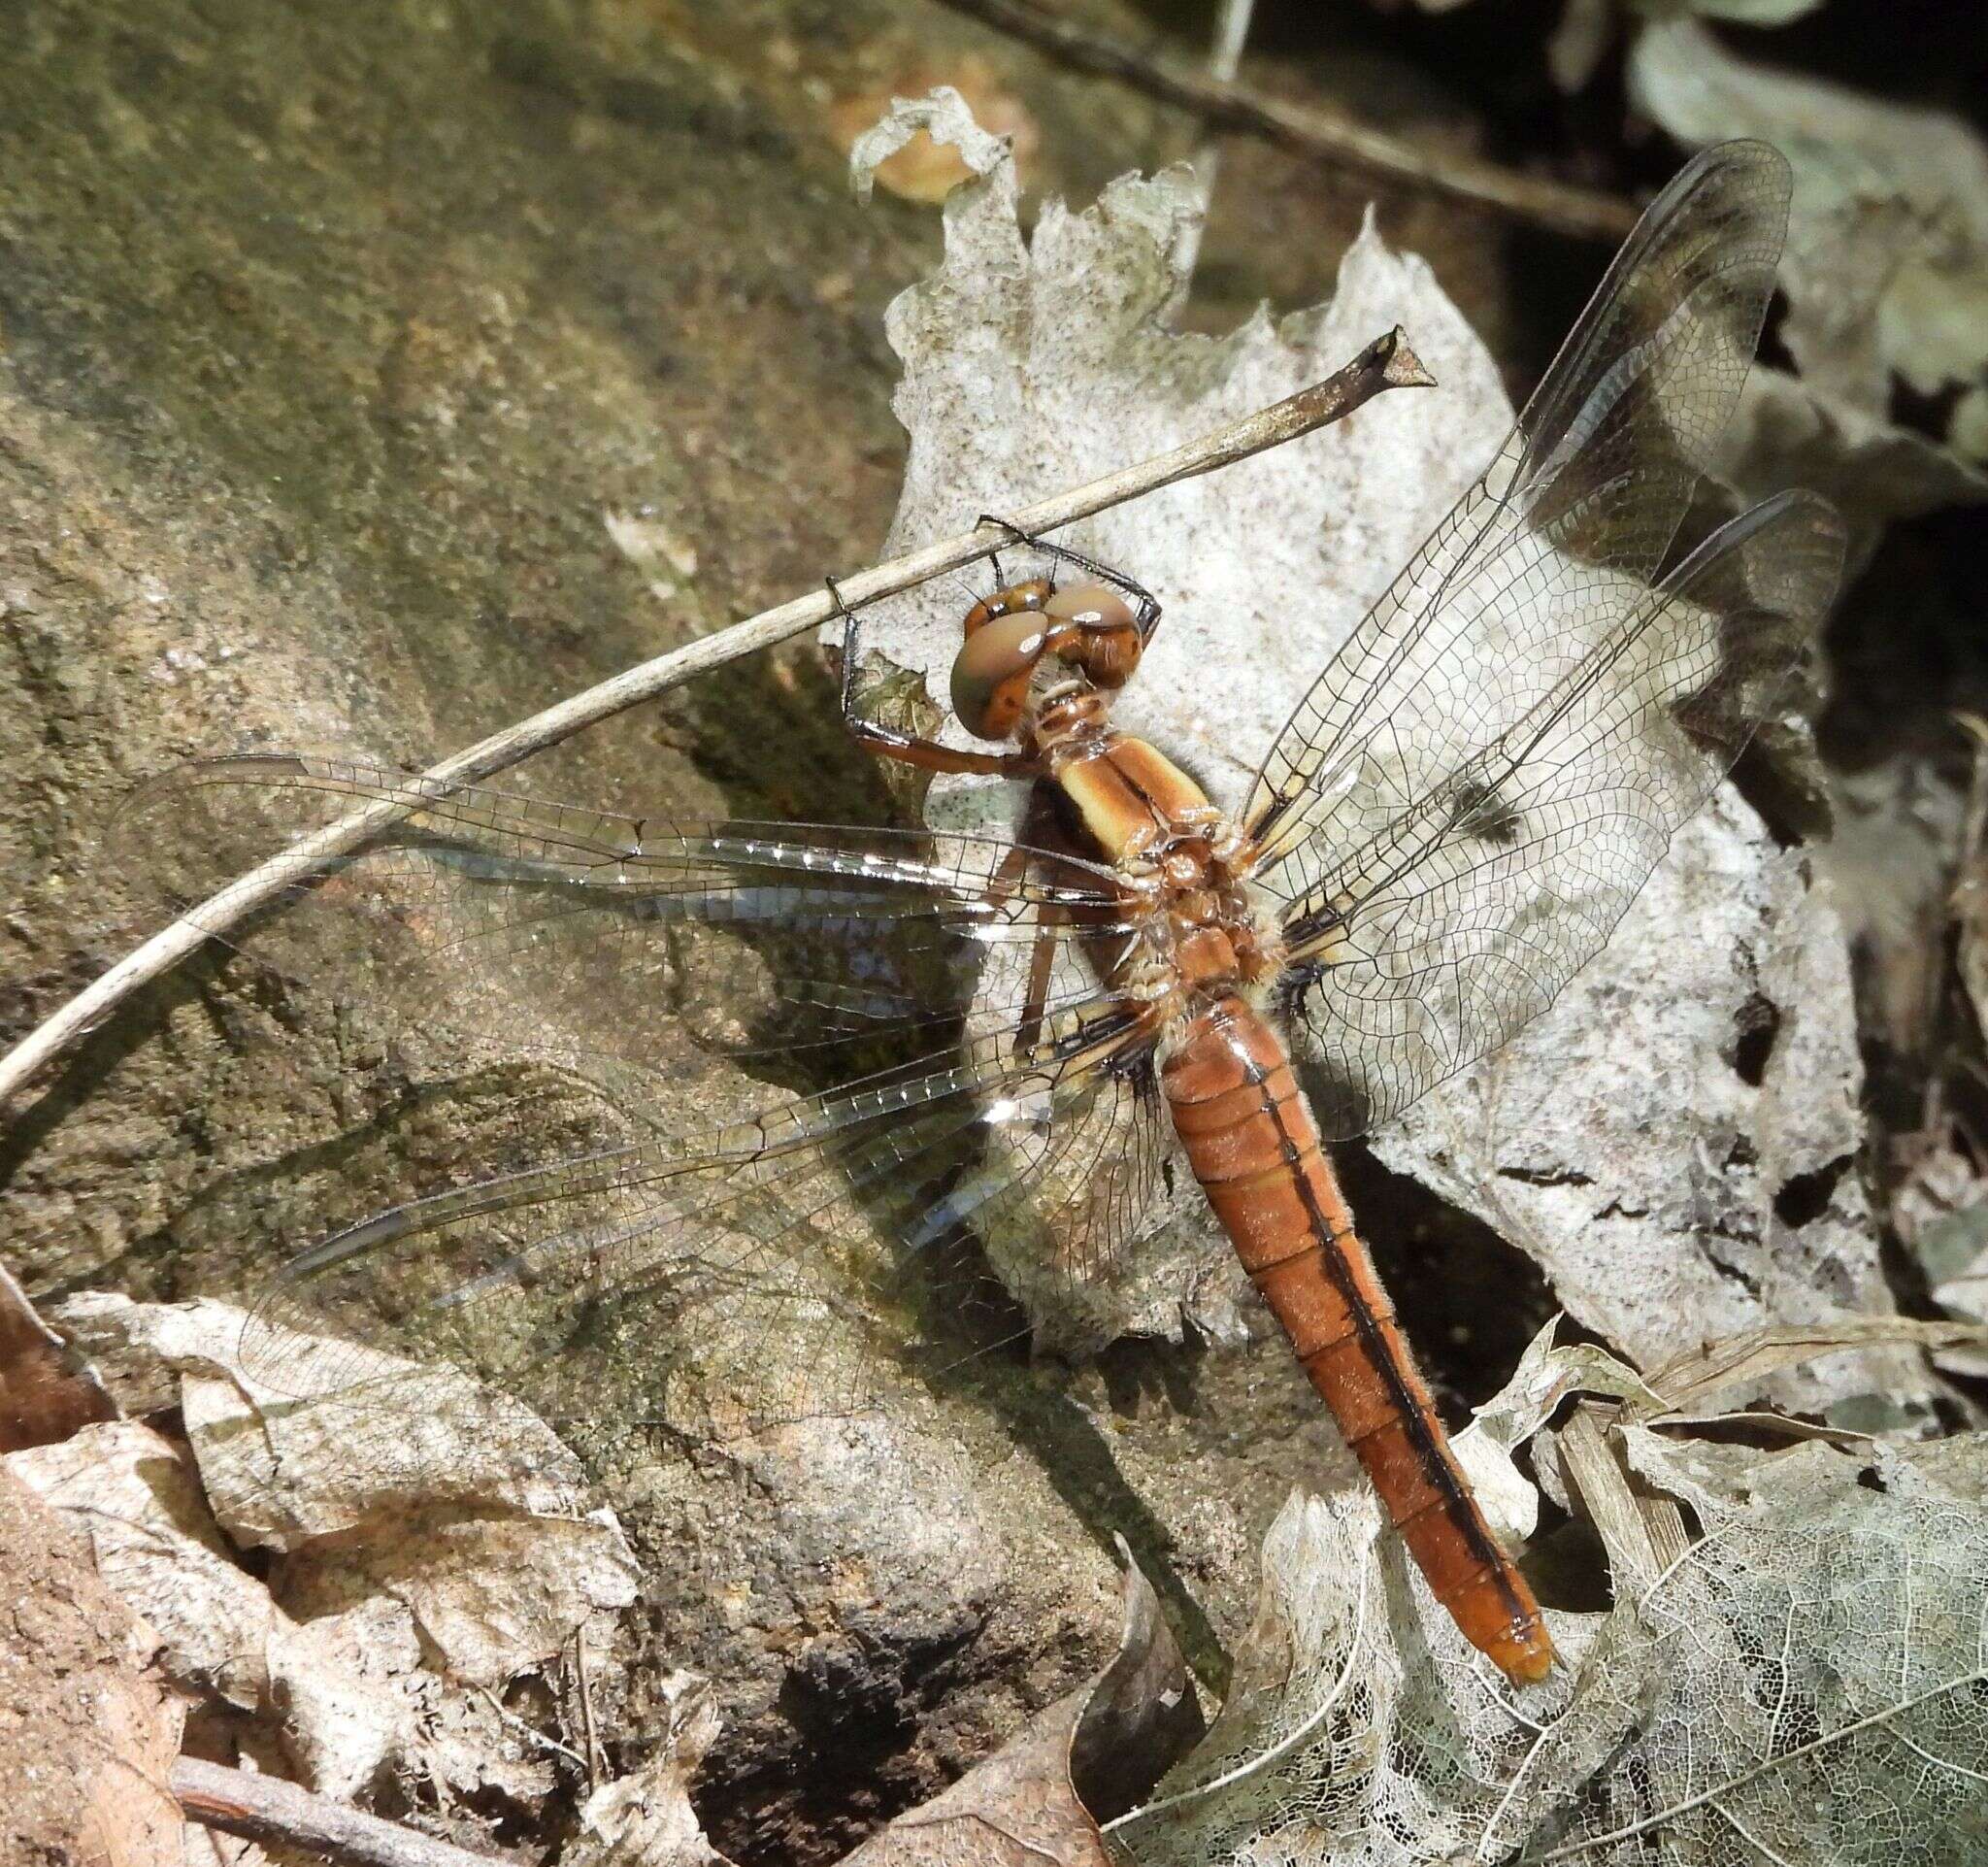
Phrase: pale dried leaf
(1545, 1376)
(1791, 433)
(644, 1820)
(1965, 1295)
(919, 167)
(940, 120)
(1887, 263)
(1803, 1683)
(280, 1470)
(1598, 1142)
(137, 1497)
(419, 1566)
(1888, 867)
(1356, 1727)
(1674, 1187)
(450, 1496)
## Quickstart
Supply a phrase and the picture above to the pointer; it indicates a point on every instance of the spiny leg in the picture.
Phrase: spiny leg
(908, 749)
(1146, 604)
(1002, 887)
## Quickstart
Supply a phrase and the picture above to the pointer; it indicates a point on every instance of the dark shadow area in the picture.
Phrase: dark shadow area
(1468, 1301)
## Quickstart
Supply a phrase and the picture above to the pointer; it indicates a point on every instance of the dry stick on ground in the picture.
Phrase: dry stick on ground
(262, 1808)
(1338, 140)
(1386, 363)
(1224, 60)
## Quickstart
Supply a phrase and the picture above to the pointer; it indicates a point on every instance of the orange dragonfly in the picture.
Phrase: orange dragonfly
(1453, 820)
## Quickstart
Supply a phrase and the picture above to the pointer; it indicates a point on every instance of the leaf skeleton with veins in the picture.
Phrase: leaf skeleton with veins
(1456, 818)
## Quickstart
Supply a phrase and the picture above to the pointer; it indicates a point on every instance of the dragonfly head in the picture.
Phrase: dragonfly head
(1089, 627)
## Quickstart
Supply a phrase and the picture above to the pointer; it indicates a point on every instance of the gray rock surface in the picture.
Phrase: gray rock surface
(332, 340)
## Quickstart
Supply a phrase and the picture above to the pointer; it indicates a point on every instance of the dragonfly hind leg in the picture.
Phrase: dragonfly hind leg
(1146, 605)
(908, 749)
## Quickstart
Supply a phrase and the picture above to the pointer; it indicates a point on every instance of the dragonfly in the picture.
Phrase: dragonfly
(1045, 1028)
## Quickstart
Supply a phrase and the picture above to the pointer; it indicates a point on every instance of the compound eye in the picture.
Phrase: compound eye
(1092, 607)
(992, 672)
(1094, 628)
(1029, 595)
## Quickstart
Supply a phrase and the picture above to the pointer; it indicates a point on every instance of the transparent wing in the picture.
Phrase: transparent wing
(1594, 477)
(1424, 943)
(734, 1277)
(725, 1272)
(621, 931)
(1526, 597)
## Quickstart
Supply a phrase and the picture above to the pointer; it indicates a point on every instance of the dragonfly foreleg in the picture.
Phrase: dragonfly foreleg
(1146, 605)
(909, 749)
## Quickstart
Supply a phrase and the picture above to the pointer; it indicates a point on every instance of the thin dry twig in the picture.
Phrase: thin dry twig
(1386, 363)
(1585, 212)
(1690, 1378)
(263, 1807)
(1224, 60)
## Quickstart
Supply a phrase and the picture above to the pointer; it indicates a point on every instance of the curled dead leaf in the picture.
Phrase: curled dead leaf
(1039, 1800)
(924, 167)
(43, 1398)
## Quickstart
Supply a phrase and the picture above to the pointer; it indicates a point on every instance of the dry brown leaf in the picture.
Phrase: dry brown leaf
(87, 1727)
(1037, 1802)
(42, 1399)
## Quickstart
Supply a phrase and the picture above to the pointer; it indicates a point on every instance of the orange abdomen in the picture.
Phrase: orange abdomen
(1253, 1146)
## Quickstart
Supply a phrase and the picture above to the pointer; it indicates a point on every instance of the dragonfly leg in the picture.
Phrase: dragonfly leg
(1146, 605)
(908, 749)
(1006, 881)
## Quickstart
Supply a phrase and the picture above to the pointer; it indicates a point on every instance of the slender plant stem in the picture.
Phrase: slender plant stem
(1386, 363)
(1338, 140)
(265, 1807)
(1224, 60)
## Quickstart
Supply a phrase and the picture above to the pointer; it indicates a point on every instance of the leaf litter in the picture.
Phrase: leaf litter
(401, 1592)
(1805, 1681)
(1358, 1728)
(1886, 276)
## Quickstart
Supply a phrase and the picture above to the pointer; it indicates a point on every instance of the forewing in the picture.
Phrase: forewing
(1501, 600)
(551, 925)
(1431, 938)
